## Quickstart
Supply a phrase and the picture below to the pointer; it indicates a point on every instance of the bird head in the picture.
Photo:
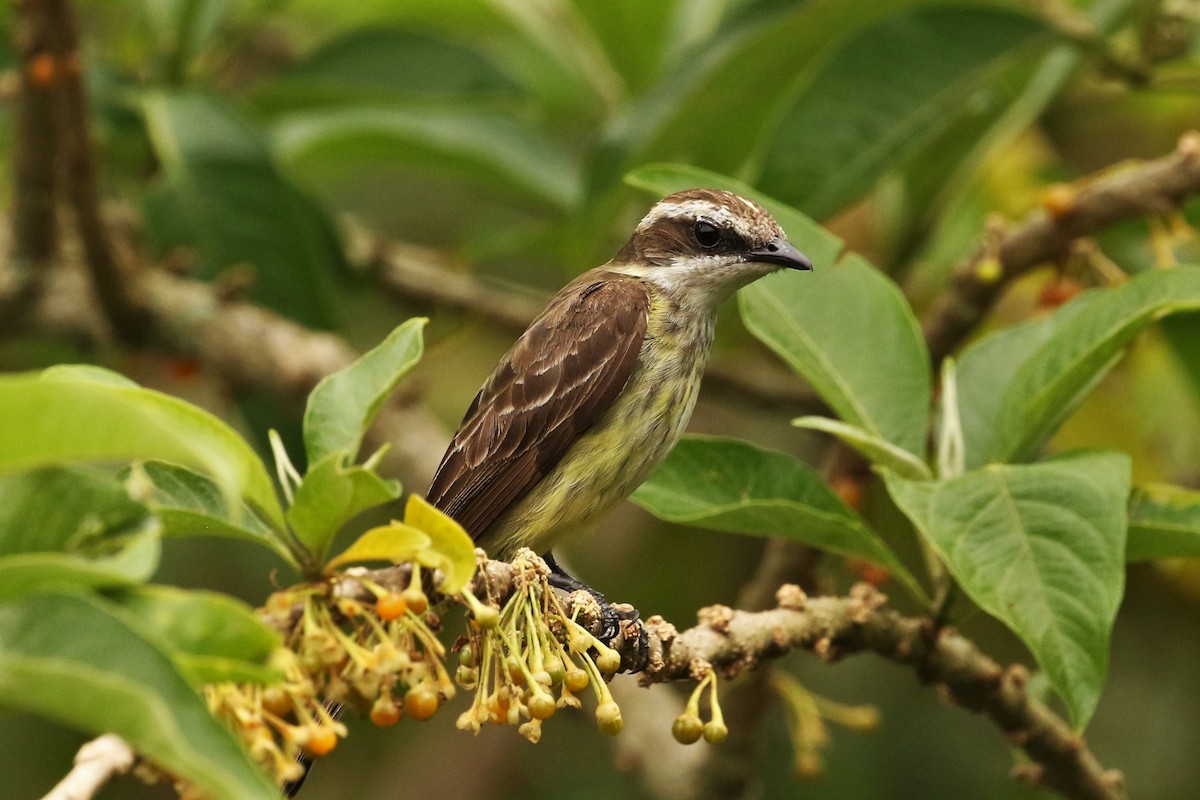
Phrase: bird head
(707, 243)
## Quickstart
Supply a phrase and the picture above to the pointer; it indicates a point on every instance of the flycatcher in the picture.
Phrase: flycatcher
(598, 390)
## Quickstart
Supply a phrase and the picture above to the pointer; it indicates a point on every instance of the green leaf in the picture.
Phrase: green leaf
(59, 417)
(731, 485)
(189, 504)
(452, 545)
(988, 367)
(716, 54)
(88, 664)
(330, 495)
(1041, 548)
(373, 63)
(1164, 522)
(937, 179)
(343, 405)
(222, 193)
(848, 330)
(918, 68)
(213, 637)
(427, 537)
(124, 561)
(878, 451)
(481, 144)
(821, 246)
(70, 526)
(64, 510)
(633, 34)
(394, 542)
(1055, 379)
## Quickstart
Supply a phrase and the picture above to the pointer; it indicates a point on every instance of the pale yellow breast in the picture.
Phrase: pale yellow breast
(625, 445)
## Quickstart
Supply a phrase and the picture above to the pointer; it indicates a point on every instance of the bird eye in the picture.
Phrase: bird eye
(707, 234)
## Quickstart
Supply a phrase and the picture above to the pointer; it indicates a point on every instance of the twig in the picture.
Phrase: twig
(1085, 207)
(119, 296)
(34, 224)
(245, 345)
(736, 642)
(834, 627)
(96, 763)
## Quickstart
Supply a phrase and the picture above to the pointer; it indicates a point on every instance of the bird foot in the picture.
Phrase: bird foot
(619, 622)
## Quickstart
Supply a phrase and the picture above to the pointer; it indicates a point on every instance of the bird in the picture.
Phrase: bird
(599, 388)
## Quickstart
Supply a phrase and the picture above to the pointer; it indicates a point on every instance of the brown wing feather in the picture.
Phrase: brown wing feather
(553, 384)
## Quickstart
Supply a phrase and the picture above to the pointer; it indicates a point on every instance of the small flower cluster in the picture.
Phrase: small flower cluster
(517, 660)
(807, 714)
(688, 726)
(383, 658)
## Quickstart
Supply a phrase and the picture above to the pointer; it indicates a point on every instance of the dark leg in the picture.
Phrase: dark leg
(561, 579)
(610, 618)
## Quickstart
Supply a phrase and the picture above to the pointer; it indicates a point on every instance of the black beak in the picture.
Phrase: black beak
(782, 252)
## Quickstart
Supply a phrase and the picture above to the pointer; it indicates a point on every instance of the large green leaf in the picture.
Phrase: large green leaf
(633, 34)
(1053, 381)
(937, 179)
(214, 637)
(63, 525)
(1040, 547)
(700, 106)
(1164, 522)
(988, 366)
(821, 246)
(917, 68)
(372, 63)
(343, 405)
(330, 495)
(222, 194)
(475, 142)
(731, 485)
(88, 664)
(848, 330)
(189, 504)
(63, 416)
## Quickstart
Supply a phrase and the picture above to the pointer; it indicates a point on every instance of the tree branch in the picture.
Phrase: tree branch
(34, 223)
(96, 763)
(118, 295)
(1087, 206)
(245, 345)
(834, 627)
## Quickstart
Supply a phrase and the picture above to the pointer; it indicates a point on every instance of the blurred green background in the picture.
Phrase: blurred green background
(490, 138)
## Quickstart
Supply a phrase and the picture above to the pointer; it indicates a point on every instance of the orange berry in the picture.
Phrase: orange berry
(385, 713)
(1057, 292)
(391, 606)
(848, 490)
(421, 703)
(321, 741)
(416, 599)
(1059, 201)
(184, 368)
(41, 70)
(276, 701)
(871, 573)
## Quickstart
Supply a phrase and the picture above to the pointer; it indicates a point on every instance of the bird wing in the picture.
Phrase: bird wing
(553, 384)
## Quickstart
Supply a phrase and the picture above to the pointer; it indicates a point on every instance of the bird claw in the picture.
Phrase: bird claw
(617, 620)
